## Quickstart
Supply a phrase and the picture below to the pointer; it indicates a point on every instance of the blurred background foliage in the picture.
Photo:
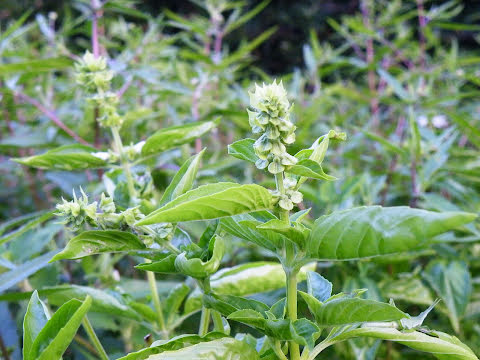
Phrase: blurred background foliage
(399, 77)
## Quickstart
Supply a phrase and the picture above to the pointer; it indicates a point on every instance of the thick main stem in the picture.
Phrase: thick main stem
(94, 339)
(292, 309)
(204, 321)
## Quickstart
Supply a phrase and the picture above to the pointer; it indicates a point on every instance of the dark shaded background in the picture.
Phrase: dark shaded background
(294, 19)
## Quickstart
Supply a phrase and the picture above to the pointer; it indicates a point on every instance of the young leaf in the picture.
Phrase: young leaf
(243, 150)
(373, 230)
(211, 202)
(452, 283)
(98, 242)
(44, 216)
(183, 179)
(165, 265)
(54, 338)
(417, 321)
(295, 232)
(68, 157)
(197, 268)
(175, 136)
(318, 286)
(35, 319)
(310, 169)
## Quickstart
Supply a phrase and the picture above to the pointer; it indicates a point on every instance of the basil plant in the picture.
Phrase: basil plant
(153, 227)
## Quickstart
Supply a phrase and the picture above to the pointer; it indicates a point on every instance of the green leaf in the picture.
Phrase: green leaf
(388, 145)
(310, 169)
(102, 301)
(227, 304)
(245, 17)
(348, 310)
(249, 317)
(68, 157)
(246, 279)
(183, 179)
(165, 265)
(35, 319)
(221, 349)
(176, 343)
(21, 272)
(243, 150)
(197, 268)
(318, 287)
(294, 232)
(56, 335)
(211, 202)
(407, 289)
(452, 283)
(24, 228)
(373, 230)
(397, 87)
(174, 300)
(245, 227)
(441, 345)
(36, 66)
(98, 242)
(175, 136)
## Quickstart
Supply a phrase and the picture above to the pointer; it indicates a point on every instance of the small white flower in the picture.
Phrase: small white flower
(439, 121)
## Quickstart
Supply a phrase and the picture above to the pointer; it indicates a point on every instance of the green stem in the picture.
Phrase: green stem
(277, 348)
(125, 164)
(319, 348)
(204, 321)
(156, 302)
(284, 214)
(217, 321)
(292, 307)
(94, 339)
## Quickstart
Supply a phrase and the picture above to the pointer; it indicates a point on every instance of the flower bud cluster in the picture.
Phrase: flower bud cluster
(101, 214)
(269, 116)
(92, 73)
(291, 195)
(78, 211)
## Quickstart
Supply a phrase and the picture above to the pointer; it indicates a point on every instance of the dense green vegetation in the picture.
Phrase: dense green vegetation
(164, 196)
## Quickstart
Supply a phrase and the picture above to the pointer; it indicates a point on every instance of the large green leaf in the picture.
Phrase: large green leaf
(452, 283)
(373, 230)
(211, 202)
(246, 279)
(174, 136)
(441, 345)
(183, 179)
(350, 310)
(68, 157)
(221, 349)
(54, 338)
(98, 242)
(35, 319)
